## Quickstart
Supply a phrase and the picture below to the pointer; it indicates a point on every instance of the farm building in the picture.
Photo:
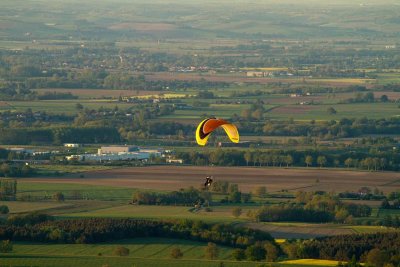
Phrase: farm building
(117, 149)
(255, 74)
(111, 156)
(20, 150)
(71, 145)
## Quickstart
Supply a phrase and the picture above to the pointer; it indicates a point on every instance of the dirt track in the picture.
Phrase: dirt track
(275, 179)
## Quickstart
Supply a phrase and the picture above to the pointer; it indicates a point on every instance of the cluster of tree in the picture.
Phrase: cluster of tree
(102, 230)
(12, 91)
(103, 80)
(247, 93)
(255, 112)
(331, 203)
(186, 197)
(387, 205)
(366, 98)
(16, 170)
(366, 194)
(205, 94)
(234, 195)
(9, 91)
(394, 195)
(56, 96)
(344, 247)
(211, 252)
(25, 136)
(8, 188)
(391, 221)
(258, 252)
(312, 207)
(28, 118)
(318, 90)
(290, 214)
(28, 219)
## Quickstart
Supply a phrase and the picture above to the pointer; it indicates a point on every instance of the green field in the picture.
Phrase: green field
(218, 214)
(155, 248)
(65, 261)
(143, 252)
(384, 212)
(22, 206)
(319, 112)
(58, 106)
(71, 190)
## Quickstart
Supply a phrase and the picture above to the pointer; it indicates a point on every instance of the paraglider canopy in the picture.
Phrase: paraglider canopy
(207, 126)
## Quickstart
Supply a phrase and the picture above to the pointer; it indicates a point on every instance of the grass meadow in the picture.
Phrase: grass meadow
(143, 252)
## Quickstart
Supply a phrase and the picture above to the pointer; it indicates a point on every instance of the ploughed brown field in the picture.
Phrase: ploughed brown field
(275, 179)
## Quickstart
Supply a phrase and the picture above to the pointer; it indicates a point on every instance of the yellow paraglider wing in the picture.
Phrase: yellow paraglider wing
(232, 132)
(207, 126)
(201, 138)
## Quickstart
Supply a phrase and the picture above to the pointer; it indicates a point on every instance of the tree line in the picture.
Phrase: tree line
(312, 207)
(59, 135)
(185, 197)
(15, 170)
(8, 188)
(371, 160)
(345, 127)
(102, 230)
(344, 247)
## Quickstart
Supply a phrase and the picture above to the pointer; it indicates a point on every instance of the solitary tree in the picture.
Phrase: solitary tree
(211, 251)
(309, 161)
(255, 252)
(6, 246)
(331, 111)
(288, 160)
(238, 254)
(348, 162)
(260, 191)
(236, 212)
(321, 160)
(176, 253)
(384, 98)
(4, 209)
(58, 197)
(271, 251)
(376, 257)
(121, 251)
(78, 106)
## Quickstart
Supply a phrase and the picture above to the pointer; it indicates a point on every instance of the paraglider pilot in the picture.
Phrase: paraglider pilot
(208, 182)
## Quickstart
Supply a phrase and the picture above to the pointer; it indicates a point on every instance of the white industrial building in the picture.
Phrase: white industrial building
(114, 153)
(117, 149)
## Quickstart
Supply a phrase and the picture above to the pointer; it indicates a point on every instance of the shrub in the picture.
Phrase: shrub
(4, 209)
(176, 253)
(211, 251)
(238, 254)
(121, 251)
(6, 246)
(236, 212)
